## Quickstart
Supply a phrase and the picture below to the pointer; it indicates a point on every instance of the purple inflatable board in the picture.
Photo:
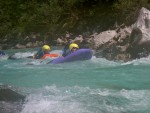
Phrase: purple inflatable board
(81, 54)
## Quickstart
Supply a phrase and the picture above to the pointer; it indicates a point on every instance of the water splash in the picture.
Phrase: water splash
(20, 55)
(141, 61)
(52, 99)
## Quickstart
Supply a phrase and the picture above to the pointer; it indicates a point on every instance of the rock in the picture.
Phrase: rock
(10, 100)
(78, 39)
(116, 47)
(4, 46)
(123, 57)
(40, 43)
(7, 94)
(143, 19)
(29, 44)
(37, 44)
(140, 37)
(91, 42)
(126, 43)
(61, 41)
(103, 38)
(20, 46)
(10, 95)
(122, 37)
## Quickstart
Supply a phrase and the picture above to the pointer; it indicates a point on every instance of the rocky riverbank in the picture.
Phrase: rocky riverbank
(126, 43)
(122, 43)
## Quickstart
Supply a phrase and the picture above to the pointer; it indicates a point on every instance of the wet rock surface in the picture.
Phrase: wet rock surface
(10, 101)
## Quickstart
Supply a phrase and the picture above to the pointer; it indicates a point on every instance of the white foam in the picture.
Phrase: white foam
(22, 55)
(51, 104)
(102, 62)
(144, 61)
(52, 99)
(4, 57)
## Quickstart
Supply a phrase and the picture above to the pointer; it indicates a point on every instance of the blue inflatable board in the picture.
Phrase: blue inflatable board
(80, 54)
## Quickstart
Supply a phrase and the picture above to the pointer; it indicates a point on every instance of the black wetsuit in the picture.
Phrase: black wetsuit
(2, 53)
(39, 54)
(66, 50)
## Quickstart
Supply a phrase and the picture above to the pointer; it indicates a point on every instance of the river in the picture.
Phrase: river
(92, 86)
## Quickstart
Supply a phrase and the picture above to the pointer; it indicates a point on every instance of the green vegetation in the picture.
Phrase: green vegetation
(58, 16)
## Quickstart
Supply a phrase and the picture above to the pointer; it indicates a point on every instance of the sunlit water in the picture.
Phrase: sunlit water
(93, 86)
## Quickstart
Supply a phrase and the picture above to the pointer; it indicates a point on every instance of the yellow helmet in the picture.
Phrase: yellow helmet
(46, 47)
(73, 45)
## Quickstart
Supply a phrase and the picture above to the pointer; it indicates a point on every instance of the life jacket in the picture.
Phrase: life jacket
(53, 55)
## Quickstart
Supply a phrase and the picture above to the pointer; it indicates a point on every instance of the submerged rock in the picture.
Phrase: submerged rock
(10, 95)
(10, 100)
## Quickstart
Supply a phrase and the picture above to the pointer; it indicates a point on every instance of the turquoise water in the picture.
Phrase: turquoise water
(93, 86)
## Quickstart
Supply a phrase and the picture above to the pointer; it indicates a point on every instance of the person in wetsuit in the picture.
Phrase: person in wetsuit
(70, 49)
(2, 53)
(42, 51)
